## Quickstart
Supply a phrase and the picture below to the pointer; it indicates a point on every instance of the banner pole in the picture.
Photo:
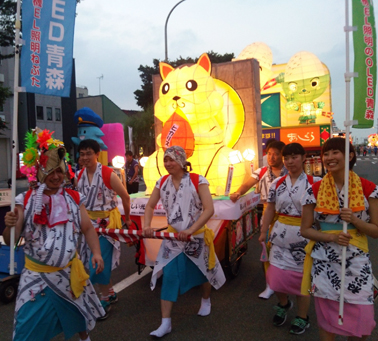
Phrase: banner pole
(15, 129)
(347, 124)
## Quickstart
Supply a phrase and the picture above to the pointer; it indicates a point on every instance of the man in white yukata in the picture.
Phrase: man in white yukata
(54, 293)
(101, 185)
(263, 177)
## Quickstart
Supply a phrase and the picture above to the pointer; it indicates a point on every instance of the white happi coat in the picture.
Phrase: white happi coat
(183, 208)
(288, 245)
(98, 198)
(326, 269)
(54, 246)
(265, 181)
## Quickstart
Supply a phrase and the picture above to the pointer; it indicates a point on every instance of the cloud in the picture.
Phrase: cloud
(114, 37)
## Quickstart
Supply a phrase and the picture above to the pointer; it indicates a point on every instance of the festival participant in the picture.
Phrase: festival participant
(132, 168)
(287, 254)
(101, 185)
(264, 177)
(326, 200)
(188, 203)
(265, 157)
(54, 293)
(79, 166)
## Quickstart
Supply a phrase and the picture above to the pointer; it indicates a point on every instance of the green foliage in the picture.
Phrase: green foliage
(4, 94)
(7, 20)
(144, 97)
(143, 130)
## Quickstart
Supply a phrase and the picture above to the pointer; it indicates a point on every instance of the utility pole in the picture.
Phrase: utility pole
(99, 83)
(166, 24)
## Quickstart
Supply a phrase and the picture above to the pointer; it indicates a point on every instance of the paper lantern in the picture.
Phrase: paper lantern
(118, 161)
(143, 161)
(207, 117)
(373, 139)
(263, 54)
(306, 78)
(249, 154)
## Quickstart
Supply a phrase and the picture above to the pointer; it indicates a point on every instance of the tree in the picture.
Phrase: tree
(4, 94)
(7, 20)
(144, 97)
(143, 130)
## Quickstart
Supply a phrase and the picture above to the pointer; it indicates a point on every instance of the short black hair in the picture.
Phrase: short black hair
(279, 145)
(89, 144)
(338, 143)
(129, 153)
(293, 149)
(268, 142)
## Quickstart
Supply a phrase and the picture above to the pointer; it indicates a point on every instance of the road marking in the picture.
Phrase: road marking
(131, 279)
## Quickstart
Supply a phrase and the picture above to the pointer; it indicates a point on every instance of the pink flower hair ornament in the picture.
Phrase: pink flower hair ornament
(30, 172)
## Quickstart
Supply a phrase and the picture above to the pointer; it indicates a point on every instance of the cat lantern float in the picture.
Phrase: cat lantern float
(203, 115)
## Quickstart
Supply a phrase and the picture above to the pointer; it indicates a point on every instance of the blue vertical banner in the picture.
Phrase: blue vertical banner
(47, 55)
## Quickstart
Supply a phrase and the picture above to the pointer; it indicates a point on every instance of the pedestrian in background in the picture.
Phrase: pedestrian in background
(131, 170)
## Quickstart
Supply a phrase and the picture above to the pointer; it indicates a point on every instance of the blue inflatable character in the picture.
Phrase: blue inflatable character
(89, 124)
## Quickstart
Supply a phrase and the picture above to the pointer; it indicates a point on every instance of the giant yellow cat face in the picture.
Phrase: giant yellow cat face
(190, 88)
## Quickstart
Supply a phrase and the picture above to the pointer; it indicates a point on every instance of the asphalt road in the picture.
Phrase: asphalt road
(237, 312)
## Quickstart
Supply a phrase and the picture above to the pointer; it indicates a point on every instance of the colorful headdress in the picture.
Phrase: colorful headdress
(43, 154)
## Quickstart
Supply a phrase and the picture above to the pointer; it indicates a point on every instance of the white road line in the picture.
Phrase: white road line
(131, 279)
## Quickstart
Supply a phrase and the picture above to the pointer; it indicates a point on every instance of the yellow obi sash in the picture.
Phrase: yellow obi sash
(358, 239)
(289, 220)
(115, 219)
(78, 277)
(209, 241)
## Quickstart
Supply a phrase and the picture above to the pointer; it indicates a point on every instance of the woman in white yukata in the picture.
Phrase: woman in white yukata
(185, 263)
(287, 253)
(326, 200)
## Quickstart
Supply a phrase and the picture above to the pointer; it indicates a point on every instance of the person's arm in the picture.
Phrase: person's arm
(243, 189)
(15, 218)
(207, 213)
(267, 219)
(136, 169)
(310, 233)
(118, 187)
(369, 228)
(149, 212)
(92, 239)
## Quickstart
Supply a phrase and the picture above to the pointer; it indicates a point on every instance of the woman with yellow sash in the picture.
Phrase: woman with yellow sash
(54, 294)
(286, 256)
(324, 252)
(185, 264)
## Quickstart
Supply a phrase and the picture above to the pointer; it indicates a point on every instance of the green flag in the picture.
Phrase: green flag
(364, 41)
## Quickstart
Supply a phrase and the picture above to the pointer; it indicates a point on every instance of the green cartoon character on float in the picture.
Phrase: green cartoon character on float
(305, 79)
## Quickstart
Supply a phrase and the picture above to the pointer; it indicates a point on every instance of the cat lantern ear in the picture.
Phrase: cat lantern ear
(165, 69)
(205, 62)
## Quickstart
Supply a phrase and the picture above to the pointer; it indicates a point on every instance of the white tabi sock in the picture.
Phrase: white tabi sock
(267, 292)
(164, 328)
(205, 307)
